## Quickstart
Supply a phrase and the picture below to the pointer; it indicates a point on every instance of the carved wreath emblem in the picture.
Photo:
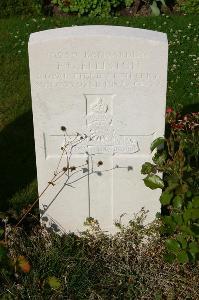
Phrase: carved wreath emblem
(100, 129)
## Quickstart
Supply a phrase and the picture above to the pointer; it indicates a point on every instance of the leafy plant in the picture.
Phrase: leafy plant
(189, 6)
(177, 157)
(92, 8)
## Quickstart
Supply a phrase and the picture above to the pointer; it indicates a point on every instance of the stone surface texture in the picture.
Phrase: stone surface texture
(108, 84)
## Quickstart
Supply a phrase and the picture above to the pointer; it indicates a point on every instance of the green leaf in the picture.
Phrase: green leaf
(177, 218)
(187, 214)
(160, 159)
(195, 229)
(165, 198)
(54, 282)
(147, 168)
(153, 182)
(177, 202)
(182, 240)
(157, 142)
(154, 9)
(195, 202)
(169, 257)
(195, 214)
(194, 247)
(173, 245)
(182, 257)
(186, 230)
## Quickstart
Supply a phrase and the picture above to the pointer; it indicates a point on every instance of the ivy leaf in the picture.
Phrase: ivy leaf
(153, 182)
(157, 142)
(54, 282)
(182, 257)
(195, 202)
(194, 247)
(182, 240)
(172, 245)
(177, 218)
(165, 198)
(177, 202)
(195, 229)
(195, 214)
(147, 168)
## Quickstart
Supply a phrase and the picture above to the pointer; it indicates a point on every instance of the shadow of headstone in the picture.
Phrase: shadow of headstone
(17, 153)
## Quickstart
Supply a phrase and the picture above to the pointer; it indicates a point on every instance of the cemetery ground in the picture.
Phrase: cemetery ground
(93, 266)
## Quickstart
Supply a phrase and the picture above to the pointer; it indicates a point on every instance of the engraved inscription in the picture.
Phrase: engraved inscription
(98, 69)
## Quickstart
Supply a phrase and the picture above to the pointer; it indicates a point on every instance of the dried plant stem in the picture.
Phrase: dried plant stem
(30, 208)
(56, 172)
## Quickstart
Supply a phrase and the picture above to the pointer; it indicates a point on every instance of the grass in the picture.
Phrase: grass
(95, 266)
(18, 172)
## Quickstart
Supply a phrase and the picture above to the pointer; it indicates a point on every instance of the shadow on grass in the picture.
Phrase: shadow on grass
(190, 108)
(17, 155)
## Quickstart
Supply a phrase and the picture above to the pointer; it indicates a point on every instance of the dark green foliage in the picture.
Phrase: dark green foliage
(19, 7)
(180, 197)
(189, 6)
(91, 8)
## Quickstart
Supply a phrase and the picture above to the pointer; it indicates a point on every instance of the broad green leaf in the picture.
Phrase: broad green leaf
(157, 142)
(194, 247)
(165, 198)
(168, 220)
(154, 9)
(159, 159)
(54, 282)
(177, 202)
(171, 187)
(182, 257)
(195, 201)
(182, 189)
(194, 213)
(187, 214)
(147, 168)
(186, 230)
(182, 240)
(195, 229)
(177, 218)
(169, 257)
(172, 245)
(154, 182)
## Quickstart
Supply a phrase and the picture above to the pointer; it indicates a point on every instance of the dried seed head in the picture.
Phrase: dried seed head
(63, 128)
(73, 168)
(100, 163)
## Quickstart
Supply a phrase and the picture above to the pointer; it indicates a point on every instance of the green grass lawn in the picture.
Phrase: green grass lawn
(17, 164)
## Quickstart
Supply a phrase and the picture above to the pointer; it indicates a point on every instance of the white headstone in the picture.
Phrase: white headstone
(108, 82)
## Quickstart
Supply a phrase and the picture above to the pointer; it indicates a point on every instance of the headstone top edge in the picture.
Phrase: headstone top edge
(97, 30)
